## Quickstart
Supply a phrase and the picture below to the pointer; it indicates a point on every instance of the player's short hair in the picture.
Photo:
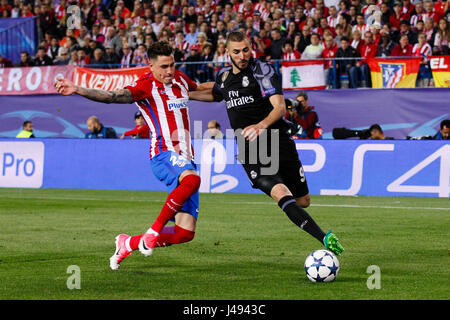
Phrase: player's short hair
(375, 127)
(161, 48)
(25, 123)
(302, 94)
(236, 36)
(445, 123)
(216, 124)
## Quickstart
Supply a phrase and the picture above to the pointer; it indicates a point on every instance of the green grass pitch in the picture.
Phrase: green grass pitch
(245, 247)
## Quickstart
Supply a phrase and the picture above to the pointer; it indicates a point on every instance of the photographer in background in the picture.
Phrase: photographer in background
(303, 117)
(444, 132)
(376, 133)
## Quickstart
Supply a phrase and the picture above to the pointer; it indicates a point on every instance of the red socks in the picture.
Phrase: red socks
(167, 237)
(174, 202)
(176, 199)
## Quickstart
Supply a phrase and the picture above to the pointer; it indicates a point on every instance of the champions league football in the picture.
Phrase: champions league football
(322, 266)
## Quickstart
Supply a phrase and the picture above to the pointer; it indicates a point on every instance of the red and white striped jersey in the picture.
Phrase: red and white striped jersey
(294, 55)
(424, 51)
(165, 110)
(332, 22)
(362, 29)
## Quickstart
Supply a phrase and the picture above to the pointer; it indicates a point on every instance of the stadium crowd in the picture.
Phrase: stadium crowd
(96, 33)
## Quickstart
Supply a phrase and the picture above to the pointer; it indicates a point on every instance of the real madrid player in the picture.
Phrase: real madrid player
(255, 107)
(162, 98)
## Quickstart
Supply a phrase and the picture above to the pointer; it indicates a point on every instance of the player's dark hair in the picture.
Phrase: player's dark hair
(375, 127)
(445, 123)
(25, 123)
(302, 94)
(161, 48)
(236, 36)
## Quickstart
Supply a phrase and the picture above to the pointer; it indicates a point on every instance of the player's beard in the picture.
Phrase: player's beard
(237, 66)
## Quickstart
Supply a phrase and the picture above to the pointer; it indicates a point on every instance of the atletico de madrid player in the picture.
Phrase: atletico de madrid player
(162, 97)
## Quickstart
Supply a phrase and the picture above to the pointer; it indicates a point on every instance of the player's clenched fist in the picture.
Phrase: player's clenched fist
(64, 86)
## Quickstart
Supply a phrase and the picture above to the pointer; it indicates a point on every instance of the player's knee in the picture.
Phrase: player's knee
(193, 180)
(304, 202)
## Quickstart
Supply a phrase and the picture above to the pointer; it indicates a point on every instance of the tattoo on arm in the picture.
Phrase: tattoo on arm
(120, 96)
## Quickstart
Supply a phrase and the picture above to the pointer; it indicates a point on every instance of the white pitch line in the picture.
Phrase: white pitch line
(234, 202)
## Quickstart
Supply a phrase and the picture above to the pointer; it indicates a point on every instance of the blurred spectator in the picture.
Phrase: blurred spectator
(54, 50)
(304, 39)
(288, 51)
(98, 131)
(141, 131)
(82, 59)
(376, 133)
(356, 40)
(397, 16)
(64, 57)
(407, 8)
(304, 118)
(405, 30)
(368, 51)
(111, 57)
(205, 70)
(403, 49)
(360, 25)
(416, 14)
(5, 9)
(126, 56)
(429, 30)
(386, 13)
(98, 60)
(140, 57)
(194, 56)
(276, 46)
(441, 44)
(214, 130)
(444, 132)
(191, 37)
(96, 35)
(344, 21)
(315, 49)
(430, 12)
(27, 130)
(42, 59)
(339, 33)
(25, 60)
(72, 44)
(347, 67)
(330, 49)
(73, 58)
(423, 49)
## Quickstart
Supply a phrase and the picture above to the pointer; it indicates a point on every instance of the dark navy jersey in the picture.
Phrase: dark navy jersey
(247, 93)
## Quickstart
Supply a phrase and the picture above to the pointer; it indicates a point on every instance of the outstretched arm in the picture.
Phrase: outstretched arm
(203, 92)
(67, 87)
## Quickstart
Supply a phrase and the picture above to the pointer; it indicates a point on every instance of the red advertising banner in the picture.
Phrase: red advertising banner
(32, 80)
(440, 66)
(107, 79)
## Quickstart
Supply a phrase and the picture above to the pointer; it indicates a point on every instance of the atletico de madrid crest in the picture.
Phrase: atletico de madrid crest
(392, 74)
